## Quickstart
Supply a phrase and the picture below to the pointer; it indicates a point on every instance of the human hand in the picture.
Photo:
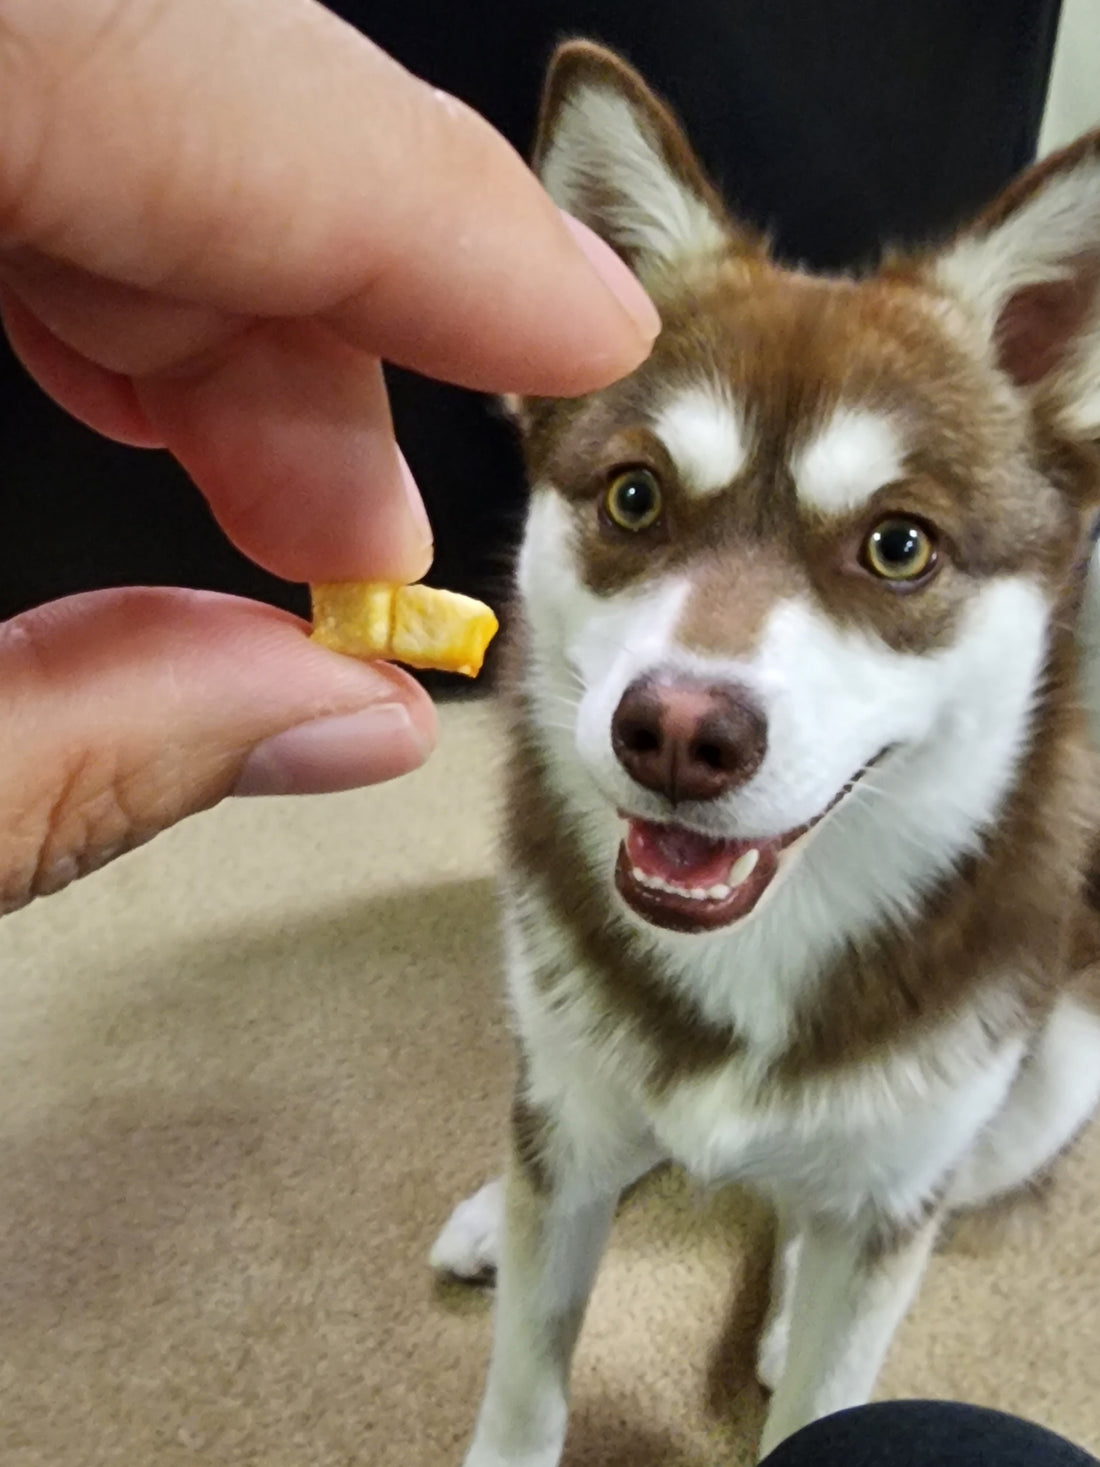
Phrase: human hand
(215, 219)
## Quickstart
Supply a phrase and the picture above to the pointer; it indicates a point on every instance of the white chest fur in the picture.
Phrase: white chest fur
(885, 1133)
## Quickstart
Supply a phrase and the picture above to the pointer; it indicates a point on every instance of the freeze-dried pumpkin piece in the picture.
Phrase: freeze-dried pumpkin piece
(418, 625)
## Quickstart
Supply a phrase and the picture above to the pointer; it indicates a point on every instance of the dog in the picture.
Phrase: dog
(800, 883)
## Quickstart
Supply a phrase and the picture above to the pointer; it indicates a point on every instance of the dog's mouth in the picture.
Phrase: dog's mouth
(689, 882)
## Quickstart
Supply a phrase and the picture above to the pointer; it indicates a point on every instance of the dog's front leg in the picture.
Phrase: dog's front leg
(551, 1244)
(853, 1287)
(771, 1350)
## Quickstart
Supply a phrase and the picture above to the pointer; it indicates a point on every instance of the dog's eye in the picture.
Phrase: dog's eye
(633, 500)
(899, 550)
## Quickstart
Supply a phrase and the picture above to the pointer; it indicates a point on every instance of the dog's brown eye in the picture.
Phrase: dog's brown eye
(899, 550)
(633, 500)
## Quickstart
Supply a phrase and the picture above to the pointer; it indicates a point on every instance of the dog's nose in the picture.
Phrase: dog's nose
(686, 741)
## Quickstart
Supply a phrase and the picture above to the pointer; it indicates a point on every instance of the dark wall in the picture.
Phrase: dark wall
(837, 123)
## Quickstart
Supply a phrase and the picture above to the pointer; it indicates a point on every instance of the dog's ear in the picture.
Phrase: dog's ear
(1029, 267)
(610, 153)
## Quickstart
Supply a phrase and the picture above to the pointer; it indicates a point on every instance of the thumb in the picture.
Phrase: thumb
(125, 711)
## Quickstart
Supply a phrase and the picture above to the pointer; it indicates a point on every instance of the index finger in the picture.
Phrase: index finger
(263, 158)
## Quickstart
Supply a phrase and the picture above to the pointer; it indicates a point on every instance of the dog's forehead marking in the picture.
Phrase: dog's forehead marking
(853, 455)
(703, 433)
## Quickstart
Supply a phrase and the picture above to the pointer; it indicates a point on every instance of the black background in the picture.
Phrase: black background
(839, 124)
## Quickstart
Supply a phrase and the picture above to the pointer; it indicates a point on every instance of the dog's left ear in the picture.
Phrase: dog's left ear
(1030, 268)
(611, 153)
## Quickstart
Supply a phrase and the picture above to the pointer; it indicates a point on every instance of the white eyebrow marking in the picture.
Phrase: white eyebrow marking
(857, 452)
(703, 434)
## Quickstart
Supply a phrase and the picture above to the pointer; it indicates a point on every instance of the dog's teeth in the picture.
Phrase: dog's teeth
(655, 883)
(743, 867)
(696, 893)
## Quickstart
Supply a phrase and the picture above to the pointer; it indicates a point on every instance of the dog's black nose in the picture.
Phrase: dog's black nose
(687, 741)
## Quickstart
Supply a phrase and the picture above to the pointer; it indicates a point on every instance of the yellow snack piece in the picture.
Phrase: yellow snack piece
(418, 625)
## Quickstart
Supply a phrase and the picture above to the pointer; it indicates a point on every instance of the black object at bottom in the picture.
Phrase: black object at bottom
(926, 1434)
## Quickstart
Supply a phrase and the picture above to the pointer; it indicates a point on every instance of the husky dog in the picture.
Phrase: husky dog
(799, 885)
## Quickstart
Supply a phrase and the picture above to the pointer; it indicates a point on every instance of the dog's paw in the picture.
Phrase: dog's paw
(488, 1457)
(771, 1352)
(540, 1453)
(467, 1247)
(522, 1427)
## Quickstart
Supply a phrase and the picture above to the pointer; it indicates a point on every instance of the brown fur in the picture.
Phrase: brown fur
(1028, 184)
(731, 596)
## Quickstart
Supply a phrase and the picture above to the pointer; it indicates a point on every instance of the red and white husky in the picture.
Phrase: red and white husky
(802, 806)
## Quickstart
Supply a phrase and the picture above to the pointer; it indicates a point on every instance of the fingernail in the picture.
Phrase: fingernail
(418, 511)
(337, 753)
(617, 276)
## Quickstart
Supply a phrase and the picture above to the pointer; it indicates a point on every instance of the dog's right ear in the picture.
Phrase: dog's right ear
(611, 154)
(1028, 270)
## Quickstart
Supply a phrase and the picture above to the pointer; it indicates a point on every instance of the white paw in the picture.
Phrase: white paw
(522, 1421)
(489, 1457)
(544, 1450)
(771, 1352)
(468, 1245)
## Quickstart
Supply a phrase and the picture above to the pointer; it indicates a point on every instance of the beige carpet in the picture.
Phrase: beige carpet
(247, 1071)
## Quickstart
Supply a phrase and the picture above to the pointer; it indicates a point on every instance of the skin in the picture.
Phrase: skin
(216, 218)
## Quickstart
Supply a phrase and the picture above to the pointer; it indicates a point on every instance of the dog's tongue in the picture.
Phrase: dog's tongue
(681, 856)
